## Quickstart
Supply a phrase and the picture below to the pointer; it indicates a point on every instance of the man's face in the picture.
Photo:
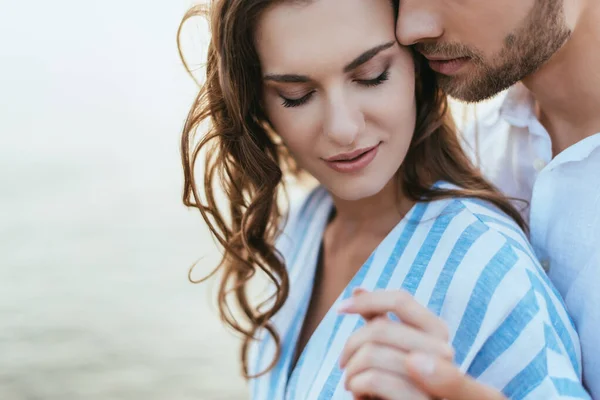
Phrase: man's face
(480, 47)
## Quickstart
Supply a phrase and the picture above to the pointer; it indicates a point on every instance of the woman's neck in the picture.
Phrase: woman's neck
(376, 215)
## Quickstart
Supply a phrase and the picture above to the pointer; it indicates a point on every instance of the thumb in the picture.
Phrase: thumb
(440, 378)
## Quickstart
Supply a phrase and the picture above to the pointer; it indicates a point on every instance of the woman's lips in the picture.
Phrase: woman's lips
(352, 162)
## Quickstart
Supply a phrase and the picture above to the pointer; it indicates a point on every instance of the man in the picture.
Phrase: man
(539, 141)
(542, 144)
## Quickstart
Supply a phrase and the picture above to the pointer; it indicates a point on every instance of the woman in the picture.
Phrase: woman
(323, 87)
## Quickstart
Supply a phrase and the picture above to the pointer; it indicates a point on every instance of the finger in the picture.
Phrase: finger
(402, 304)
(372, 316)
(383, 386)
(368, 316)
(375, 356)
(440, 378)
(396, 335)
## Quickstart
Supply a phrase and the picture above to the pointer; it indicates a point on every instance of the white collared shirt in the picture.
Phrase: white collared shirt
(514, 151)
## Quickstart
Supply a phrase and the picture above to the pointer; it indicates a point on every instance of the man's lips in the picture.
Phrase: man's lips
(447, 66)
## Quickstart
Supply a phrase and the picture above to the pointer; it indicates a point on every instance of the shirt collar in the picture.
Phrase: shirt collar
(578, 152)
(518, 107)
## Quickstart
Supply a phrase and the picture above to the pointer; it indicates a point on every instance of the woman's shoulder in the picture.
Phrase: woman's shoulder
(488, 280)
(482, 215)
(474, 239)
(489, 268)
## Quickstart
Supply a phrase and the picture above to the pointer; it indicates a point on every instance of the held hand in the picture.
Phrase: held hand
(420, 357)
(441, 378)
(374, 357)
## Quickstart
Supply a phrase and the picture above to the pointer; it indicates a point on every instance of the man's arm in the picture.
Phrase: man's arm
(583, 303)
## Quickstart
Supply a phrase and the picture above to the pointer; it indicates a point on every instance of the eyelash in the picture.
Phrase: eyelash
(385, 75)
(289, 103)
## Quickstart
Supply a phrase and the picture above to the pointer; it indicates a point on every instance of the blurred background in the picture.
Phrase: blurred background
(95, 244)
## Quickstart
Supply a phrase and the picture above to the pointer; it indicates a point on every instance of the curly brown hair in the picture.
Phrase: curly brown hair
(245, 157)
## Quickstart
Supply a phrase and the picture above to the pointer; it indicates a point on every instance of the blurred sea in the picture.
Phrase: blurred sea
(95, 244)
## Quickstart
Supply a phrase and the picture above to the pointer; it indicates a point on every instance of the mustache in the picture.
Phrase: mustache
(447, 50)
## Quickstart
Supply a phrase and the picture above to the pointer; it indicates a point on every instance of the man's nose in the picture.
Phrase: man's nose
(418, 21)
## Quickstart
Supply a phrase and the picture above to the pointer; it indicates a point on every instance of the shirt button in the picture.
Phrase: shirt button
(539, 164)
(546, 265)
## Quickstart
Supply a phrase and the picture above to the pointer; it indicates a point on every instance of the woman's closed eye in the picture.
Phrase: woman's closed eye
(384, 76)
(289, 102)
(296, 102)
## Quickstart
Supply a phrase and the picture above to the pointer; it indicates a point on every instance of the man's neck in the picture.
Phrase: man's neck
(567, 88)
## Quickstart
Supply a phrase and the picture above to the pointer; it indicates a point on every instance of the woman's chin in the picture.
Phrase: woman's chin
(355, 189)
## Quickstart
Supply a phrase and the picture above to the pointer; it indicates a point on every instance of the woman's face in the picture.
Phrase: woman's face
(339, 90)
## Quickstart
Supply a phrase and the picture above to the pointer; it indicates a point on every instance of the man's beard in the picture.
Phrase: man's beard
(541, 35)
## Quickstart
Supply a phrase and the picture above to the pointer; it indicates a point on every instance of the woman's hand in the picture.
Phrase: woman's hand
(411, 359)
(374, 357)
(441, 378)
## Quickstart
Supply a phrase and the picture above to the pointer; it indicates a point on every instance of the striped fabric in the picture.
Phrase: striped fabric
(464, 260)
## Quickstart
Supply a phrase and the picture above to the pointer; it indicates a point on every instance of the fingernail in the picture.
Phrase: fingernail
(357, 291)
(423, 364)
(450, 353)
(345, 305)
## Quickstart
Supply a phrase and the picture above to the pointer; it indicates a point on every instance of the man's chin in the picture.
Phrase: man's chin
(468, 92)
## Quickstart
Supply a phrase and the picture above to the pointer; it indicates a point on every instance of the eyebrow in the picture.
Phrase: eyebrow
(367, 55)
(357, 62)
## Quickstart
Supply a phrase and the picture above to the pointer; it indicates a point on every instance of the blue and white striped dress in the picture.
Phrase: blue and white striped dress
(464, 260)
